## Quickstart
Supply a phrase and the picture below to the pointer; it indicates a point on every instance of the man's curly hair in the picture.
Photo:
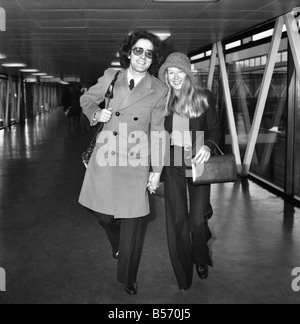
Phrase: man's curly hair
(129, 43)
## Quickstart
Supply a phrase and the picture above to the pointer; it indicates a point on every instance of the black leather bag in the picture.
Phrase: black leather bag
(219, 169)
(86, 155)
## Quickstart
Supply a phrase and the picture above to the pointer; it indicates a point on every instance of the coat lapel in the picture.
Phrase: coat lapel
(143, 89)
(121, 87)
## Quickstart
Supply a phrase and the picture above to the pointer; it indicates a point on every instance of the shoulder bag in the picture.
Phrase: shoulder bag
(86, 155)
(219, 169)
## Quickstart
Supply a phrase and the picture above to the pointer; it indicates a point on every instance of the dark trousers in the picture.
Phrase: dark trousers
(187, 232)
(126, 236)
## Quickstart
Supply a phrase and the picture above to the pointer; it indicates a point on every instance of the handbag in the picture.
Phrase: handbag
(86, 155)
(219, 169)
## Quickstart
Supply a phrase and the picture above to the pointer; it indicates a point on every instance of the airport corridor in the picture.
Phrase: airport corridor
(54, 251)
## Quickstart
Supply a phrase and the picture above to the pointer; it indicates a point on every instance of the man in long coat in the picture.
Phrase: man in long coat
(115, 185)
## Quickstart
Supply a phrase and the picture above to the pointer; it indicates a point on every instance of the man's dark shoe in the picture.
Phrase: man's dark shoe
(131, 289)
(202, 271)
(116, 254)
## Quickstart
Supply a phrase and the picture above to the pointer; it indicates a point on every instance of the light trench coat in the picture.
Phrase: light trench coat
(117, 175)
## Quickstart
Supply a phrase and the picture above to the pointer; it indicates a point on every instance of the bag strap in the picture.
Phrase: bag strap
(108, 95)
(110, 90)
(215, 146)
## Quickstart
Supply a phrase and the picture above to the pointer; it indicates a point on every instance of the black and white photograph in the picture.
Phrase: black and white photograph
(149, 154)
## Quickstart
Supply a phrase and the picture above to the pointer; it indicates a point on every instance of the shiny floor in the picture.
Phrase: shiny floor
(53, 251)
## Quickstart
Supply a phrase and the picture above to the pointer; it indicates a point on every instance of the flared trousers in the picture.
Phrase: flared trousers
(125, 236)
(187, 228)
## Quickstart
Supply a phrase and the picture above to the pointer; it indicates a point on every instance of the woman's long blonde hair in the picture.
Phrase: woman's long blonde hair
(192, 102)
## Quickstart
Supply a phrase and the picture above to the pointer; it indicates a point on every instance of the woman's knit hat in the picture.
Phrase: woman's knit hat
(179, 61)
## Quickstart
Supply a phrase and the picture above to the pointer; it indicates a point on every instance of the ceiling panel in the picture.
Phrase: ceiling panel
(118, 23)
(81, 37)
(21, 25)
(207, 23)
(280, 7)
(16, 14)
(58, 23)
(56, 15)
(9, 4)
(167, 14)
(52, 4)
(224, 14)
(112, 14)
(176, 6)
(116, 4)
(239, 5)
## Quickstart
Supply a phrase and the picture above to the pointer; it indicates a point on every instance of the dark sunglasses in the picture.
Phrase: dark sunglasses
(138, 51)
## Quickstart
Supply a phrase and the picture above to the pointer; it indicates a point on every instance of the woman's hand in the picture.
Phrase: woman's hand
(203, 155)
(154, 182)
(104, 115)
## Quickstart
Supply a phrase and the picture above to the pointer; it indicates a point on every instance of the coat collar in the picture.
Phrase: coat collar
(143, 89)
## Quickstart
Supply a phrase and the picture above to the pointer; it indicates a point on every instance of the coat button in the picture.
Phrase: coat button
(115, 133)
(118, 114)
(135, 119)
(113, 153)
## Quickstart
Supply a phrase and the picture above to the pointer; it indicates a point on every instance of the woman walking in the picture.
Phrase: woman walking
(192, 122)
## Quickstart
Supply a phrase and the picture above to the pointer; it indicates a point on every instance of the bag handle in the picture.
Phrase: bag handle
(215, 146)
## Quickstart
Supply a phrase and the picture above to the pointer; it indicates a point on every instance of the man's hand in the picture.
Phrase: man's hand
(154, 182)
(104, 115)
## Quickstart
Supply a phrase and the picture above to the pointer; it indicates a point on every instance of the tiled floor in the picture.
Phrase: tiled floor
(53, 251)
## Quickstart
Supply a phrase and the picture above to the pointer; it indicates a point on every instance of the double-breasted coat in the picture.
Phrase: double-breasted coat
(117, 175)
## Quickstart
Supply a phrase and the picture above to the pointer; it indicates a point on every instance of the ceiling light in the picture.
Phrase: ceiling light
(29, 70)
(64, 82)
(197, 57)
(233, 45)
(30, 80)
(14, 65)
(2, 57)
(163, 35)
(47, 76)
(265, 34)
(39, 74)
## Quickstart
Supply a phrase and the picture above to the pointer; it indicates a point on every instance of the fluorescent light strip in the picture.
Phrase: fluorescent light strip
(263, 35)
(29, 70)
(14, 65)
(233, 45)
(2, 57)
(197, 57)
